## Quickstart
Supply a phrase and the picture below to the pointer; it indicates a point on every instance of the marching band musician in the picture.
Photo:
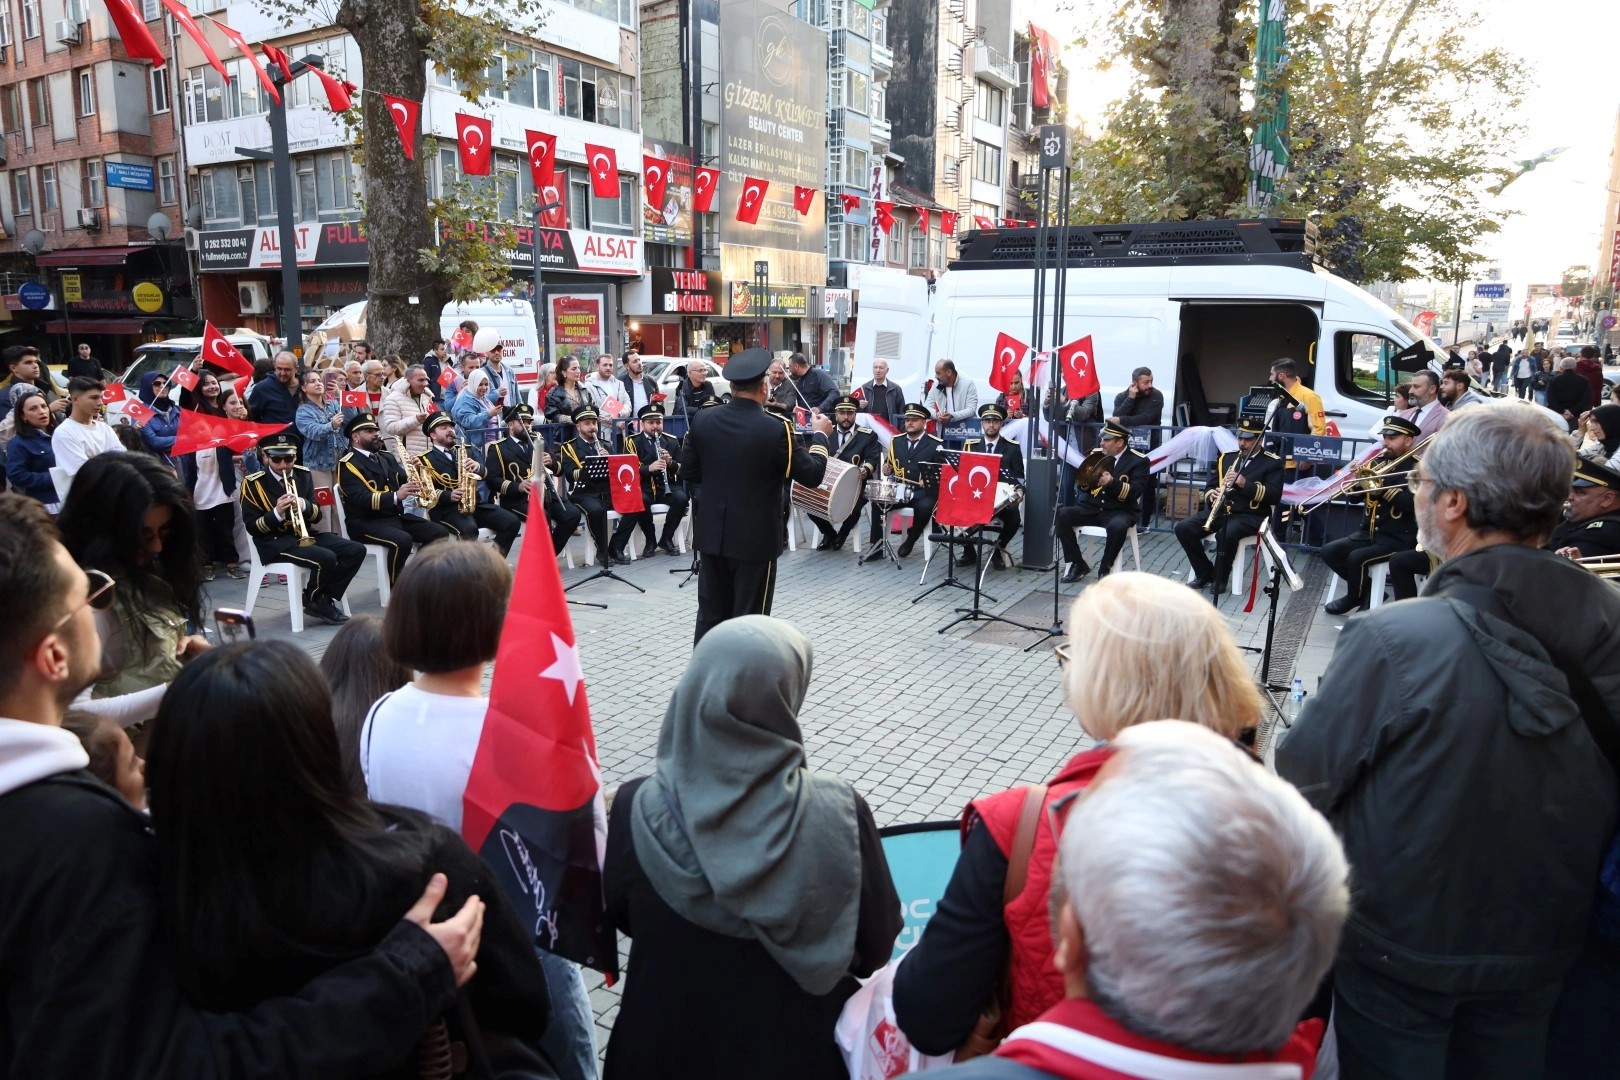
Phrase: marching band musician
(1244, 489)
(1114, 503)
(271, 499)
(443, 463)
(1391, 522)
(860, 448)
(1012, 466)
(591, 496)
(510, 462)
(374, 487)
(1591, 524)
(660, 483)
(907, 453)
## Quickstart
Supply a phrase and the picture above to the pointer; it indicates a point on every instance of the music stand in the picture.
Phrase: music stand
(928, 473)
(596, 468)
(1280, 568)
(538, 469)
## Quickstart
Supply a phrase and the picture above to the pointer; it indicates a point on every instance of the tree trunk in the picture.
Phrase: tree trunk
(1199, 61)
(397, 221)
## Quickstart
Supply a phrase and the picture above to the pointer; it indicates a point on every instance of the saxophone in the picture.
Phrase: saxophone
(428, 497)
(466, 479)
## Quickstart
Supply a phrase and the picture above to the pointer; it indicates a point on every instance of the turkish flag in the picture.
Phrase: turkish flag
(802, 198)
(404, 113)
(1010, 353)
(138, 411)
(324, 497)
(138, 40)
(982, 222)
(542, 158)
(114, 393)
(885, 214)
(205, 431)
(1040, 65)
(922, 219)
(183, 16)
(278, 58)
(432, 407)
(604, 165)
(182, 375)
(858, 394)
(557, 217)
(705, 182)
(751, 199)
(1079, 369)
(655, 172)
(1011, 223)
(801, 416)
(624, 481)
(947, 222)
(356, 399)
(967, 493)
(533, 807)
(472, 140)
(851, 202)
(246, 50)
(339, 95)
(218, 350)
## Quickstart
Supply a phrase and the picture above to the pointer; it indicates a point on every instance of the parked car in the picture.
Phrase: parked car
(166, 355)
(666, 370)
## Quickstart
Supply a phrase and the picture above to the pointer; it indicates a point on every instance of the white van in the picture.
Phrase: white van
(1206, 305)
(513, 318)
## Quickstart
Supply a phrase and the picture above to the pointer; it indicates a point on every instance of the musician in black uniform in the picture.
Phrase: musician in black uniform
(1113, 500)
(510, 465)
(1007, 519)
(1245, 487)
(373, 486)
(591, 496)
(861, 449)
(1592, 521)
(1390, 525)
(743, 457)
(906, 454)
(660, 467)
(443, 462)
(268, 510)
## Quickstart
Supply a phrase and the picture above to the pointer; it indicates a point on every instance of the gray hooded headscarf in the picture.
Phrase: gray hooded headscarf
(734, 831)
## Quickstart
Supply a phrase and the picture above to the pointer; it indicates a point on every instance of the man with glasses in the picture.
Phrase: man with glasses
(87, 987)
(1457, 744)
(274, 501)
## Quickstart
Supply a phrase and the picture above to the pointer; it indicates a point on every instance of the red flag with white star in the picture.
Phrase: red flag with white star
(885, 214)
(339, 92)
(1010, 353)
(557, 217)
(533, 807)
(542, 158)
(182, 375)
(114, 393)
(802, 198)
(472, 140)
(922, 219)
(982, 222)
(751, 199)
(967, 493)
(705, 183)
(851, 202)
(205, 431)
(624, 482)
(404, 113)
(218, 350)
(1079, 369)
(604, 164)
(655, 173)
(947, 222)
(138, 411)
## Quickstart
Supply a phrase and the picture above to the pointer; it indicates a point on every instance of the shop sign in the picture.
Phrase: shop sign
(684, 292)
(570, 250)
(147, 296)
(575, 320)
(72, 289)
(121, 174)
(779, 301)
(337, 243)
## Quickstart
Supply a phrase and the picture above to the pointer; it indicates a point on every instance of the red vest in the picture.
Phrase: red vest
(1035, 984)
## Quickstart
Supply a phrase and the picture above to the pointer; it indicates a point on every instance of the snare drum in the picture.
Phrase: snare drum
(884, 491)
(835, 498)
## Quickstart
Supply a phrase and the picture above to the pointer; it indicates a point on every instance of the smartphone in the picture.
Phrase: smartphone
(234, 625)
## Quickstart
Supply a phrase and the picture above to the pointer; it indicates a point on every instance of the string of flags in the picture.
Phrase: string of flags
(1077, 361)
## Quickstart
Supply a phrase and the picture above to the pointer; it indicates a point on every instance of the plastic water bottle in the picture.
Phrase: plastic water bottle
(1296, 700)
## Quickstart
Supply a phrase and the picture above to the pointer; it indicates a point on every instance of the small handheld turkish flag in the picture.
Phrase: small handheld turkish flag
(612, 406)
(472, 140)
(885, 214)
(624, 481)
(218, 350)
(851, 202)
(1010, 353)
(705, 183)
(114, 393)
(967, 493)
(801, 416)
(354, 399)
(802, 198)
(446, 376)
(138, 411)
(751, 199)
(858, 394)
(947, 222)
(604, 165)
(1079, 369)
(432, 407)
(655, 172)
(542, 158)
(404, 113)
(324, 497)
(182, 375)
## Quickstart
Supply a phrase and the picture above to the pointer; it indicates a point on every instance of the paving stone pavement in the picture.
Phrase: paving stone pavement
(918, 721)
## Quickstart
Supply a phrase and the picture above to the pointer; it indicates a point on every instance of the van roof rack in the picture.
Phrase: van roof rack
(1246, 242)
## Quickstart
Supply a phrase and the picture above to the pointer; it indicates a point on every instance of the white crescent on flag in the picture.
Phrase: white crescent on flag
(988, 479)
(603, 170)
(703, 180)
(750, 193)
(400, 111)
(467, 132)
(219, 348)
(1008, 351)
(653, 173)
(951, 487)
(537, 155)
(618, 475)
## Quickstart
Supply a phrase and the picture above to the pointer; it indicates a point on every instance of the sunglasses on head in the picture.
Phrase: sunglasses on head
(99, 597)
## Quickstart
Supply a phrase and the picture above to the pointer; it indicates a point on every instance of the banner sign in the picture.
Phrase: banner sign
(921, 858)
(121, 174)
(780, 301)
(670, 222)
(684, 292)
(576, 320)
(337, 243)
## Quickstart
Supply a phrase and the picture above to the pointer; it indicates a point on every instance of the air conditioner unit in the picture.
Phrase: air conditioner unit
(67, 32)
(89, 218)
(191, 239)
(253, 297)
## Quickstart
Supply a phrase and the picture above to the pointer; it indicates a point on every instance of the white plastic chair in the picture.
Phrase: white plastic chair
(294, 574)
(1377, 579)
(1099, 531)
(379, 554)
(637, 546)
(1240, 562)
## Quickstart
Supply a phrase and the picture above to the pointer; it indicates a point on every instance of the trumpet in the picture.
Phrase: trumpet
(427, 495)
(466, 478)
(296, 515)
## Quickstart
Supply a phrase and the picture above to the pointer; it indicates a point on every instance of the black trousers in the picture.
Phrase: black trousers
(1006, 524)
(503, 523)
(1118, 524)
(922, 503)
(1405, 567)
(1349, 557)
(675, 499)
(845, 527)
(216, 533)
(332, 561)
(1228, 531)
(561, 515)
(595, 508)
(397, 533)
(728, 588)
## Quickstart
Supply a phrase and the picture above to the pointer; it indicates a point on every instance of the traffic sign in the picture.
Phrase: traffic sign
(34, 296)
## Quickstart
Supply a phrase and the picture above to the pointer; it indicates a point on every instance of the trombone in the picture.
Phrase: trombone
(1604, 566)
(1368, 479)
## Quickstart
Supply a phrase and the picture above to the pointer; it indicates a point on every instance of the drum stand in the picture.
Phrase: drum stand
(977, 613)
(883, 548)
(951, 540)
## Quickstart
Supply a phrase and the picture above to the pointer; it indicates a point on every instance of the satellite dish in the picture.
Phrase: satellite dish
(33, 241)
(159, 226)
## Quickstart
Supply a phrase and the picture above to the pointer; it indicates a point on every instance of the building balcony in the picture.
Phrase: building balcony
(882, 59)
(994, 67)
(881, 131)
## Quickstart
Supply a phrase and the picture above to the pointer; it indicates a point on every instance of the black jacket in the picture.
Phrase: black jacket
(655, 485)
(862, 448)
(1262, 483)
(89, 986)
(1129, 478)
(1445, 749)
(742, 456)
(815, 390)
(1595, 536)
(260, 493)
(367, 483)
(1145, 410)
(1011, 454)
(905, 459)
(1569, 392)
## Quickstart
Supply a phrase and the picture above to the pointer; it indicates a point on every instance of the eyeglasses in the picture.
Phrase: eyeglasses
(99, 598)
(1062, 654)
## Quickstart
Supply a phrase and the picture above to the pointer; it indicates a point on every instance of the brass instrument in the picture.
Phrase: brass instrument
(1226, 485)
(296, 515)
(1370, 479)
(466, 479)
(1094, 465)
(427, 496)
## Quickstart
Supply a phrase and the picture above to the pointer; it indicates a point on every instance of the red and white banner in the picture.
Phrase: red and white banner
(246, 50)
(218, 350)
(1041, 56)
(472, 140)
(205, 431)
(404, 113)
(624, 482)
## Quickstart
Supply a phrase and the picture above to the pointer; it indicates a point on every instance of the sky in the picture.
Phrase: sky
(1553, 216)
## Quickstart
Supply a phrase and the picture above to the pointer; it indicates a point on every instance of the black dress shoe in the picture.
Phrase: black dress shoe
(668, 547)
(1000, 560)
(1343, 605)
(615, 557)
(967, 557)
(1102, 573)
(826, 543)
(1075, 572)
(905, 547)
(1199, 584)
(334, 613)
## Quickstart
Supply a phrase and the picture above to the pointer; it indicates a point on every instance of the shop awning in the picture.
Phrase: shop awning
(87, 256)
(97, 326)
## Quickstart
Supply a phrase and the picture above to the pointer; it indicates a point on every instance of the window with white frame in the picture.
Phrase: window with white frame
(990, 104)
(986, 162)
(859, 93)
(91, 188)
(855, 167)
(162, 97)
(897, 243)
(530, 82)
(86, 98)
(151, 10)
(880, 102)
(48, 198)
(30, 19)
(334, 184)
(168, 192)
(5, 23)
(22, 187)
(308, 206)
(247, 195)
(919, 247)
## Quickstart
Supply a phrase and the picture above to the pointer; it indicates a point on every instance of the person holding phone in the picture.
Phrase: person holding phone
(281, 514)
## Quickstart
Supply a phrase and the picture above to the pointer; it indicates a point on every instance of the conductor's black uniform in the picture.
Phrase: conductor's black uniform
(367, 482)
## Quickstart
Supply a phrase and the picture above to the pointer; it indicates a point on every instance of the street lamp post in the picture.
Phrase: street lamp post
(540, 322)
(762, 300)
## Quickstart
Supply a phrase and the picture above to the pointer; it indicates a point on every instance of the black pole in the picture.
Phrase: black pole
(67, 321)
(292, 323)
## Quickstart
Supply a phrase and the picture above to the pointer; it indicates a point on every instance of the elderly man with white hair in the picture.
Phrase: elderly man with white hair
(1201, 903)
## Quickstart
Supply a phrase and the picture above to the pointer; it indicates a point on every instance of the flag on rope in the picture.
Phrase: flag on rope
(404, 113)
(751, 199)
(246, 50)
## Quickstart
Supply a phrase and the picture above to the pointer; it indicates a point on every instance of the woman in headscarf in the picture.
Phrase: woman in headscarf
(1597, 437)
(158, 433)
(756, 890)
(475, 411)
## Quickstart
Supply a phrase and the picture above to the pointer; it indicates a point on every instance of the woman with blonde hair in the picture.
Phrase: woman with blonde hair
(1140, 648)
